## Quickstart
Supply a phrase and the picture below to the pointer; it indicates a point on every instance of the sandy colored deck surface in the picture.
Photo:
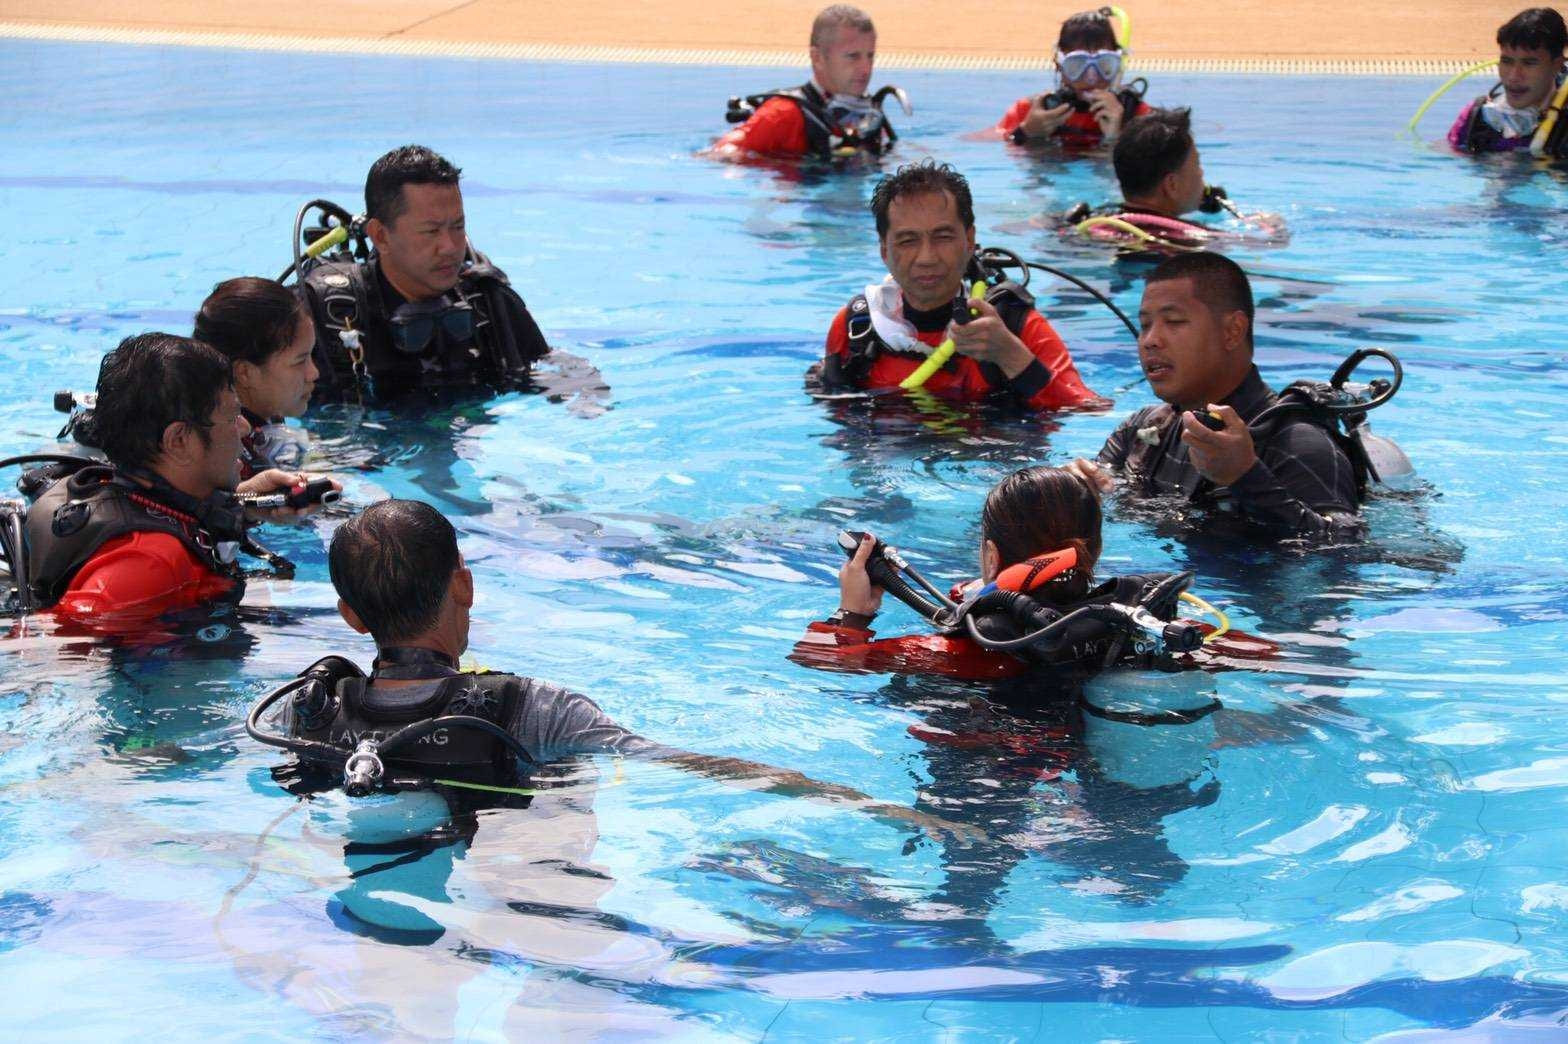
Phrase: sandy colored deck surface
(1289, 31)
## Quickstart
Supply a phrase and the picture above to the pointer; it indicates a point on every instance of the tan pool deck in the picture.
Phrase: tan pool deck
(1265, 35)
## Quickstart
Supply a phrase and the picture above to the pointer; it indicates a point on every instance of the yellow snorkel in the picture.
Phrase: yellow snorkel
(944, 351)
(1123, 26)
(1549, 120)
(328, 241)
(1432, 98)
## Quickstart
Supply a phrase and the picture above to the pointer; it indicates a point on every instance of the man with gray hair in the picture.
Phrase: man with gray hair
(829, 116)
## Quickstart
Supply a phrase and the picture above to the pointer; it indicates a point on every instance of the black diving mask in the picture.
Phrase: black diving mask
(415, 323)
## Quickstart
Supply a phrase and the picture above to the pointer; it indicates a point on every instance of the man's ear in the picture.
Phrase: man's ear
(461, 589)
(351, 618)
(177, 442)
(376, 229)
(1234, 327)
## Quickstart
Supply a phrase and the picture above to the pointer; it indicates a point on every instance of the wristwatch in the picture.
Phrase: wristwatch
(845, 618)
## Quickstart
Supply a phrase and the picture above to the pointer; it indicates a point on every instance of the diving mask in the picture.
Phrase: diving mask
(414, 323)
(1076, 65)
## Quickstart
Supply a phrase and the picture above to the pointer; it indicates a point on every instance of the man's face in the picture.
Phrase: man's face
(422, 249)
(1187, 189)
(220, 457)
(927, 248)
(843, 65)
(1183, 346)
(281, 387)
(1528, 76)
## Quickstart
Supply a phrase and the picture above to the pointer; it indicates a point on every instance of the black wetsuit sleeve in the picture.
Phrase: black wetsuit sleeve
(518, 328)
(1301, 486)
(553, 723)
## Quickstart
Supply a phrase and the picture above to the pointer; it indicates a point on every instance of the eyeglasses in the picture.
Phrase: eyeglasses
(1075, 65)
(414, 323)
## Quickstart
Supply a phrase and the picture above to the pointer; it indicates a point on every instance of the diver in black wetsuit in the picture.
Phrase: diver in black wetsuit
(424, 309)
(1291, 478)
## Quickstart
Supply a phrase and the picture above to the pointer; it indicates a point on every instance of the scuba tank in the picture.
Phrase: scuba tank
(1341, 407)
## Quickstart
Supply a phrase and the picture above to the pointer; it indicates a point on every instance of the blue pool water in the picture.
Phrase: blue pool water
(1367, 845)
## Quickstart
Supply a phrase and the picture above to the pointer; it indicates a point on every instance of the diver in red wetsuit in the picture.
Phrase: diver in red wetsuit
(1005, 348)
(268, 334)
(1089, 106)
(1036, 604)
(158, 528)
(830, 116)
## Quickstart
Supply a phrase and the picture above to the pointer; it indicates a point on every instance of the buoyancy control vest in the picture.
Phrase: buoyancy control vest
(354, 342)
(827, 132)
(76, 513)
(1011, 301)
(335, 707)
(1086, 639)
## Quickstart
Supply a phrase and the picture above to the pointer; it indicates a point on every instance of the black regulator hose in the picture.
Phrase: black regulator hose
(993, 261)
(1091, 291)
(49, 458)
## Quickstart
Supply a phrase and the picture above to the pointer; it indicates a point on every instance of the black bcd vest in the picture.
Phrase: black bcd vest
(345, 300)
(823, 135)
(340, 707)
(73, 516)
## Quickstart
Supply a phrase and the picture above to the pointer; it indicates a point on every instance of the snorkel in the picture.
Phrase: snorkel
(944, 351)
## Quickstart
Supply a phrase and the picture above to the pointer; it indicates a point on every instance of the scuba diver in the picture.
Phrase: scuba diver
(828, 117)
(917, 329)
(424, 309)
(158, 527)
(416, 722)
(1089, 104)
(1161, 177)
(268, 335)
(1524, 110)
(1295, 465)
(1035, 605)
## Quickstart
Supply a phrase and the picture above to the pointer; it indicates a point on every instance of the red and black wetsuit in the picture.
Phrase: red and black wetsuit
(1049, 382)
(104, 551)
(1080, 130)
(797, 121)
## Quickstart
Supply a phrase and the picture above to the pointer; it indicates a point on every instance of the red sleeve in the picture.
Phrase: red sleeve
(139, 577)
(838, 335)
(777, 128)
(854, 651)
(1062, 386)
(1014, 116)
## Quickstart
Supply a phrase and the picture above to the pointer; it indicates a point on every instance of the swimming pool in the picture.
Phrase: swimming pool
(1365, 847)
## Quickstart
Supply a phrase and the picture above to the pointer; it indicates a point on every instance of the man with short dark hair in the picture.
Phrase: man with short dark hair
(426, 309)
(400, 577)
(1530, 66)
(158, 528)
(1007, 350)
(1157, 164)
(1292, 478)
(830, 115)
